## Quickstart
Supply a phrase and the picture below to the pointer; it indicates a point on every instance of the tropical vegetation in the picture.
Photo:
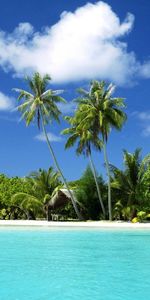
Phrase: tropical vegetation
(123, 195)
(28, 198)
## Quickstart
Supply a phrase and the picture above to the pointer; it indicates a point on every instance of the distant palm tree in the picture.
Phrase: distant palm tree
(44, 184)
(41, 105)
(45, 181)
(85, 141)
(128, 183)
(99, 112)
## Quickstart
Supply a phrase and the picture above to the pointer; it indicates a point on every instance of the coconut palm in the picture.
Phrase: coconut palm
(100, 112)
(45, 181)
(128, 183)
(44, 184)
(85, 141)
(40, 105)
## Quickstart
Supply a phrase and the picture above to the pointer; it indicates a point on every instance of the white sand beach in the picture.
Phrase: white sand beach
(75, 224)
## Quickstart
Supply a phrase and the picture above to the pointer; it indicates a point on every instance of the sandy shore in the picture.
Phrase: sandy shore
(77, 224)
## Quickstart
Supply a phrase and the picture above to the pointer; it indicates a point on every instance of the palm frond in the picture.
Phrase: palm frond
(71, 141)
(23, 94)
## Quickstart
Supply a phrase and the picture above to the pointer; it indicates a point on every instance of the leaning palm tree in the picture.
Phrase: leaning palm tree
(40, 105)
(85, 141)
(100, 112)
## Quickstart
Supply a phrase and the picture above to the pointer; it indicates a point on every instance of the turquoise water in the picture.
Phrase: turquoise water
(74, 264)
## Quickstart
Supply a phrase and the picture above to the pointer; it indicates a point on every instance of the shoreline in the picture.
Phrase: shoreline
(74, 224)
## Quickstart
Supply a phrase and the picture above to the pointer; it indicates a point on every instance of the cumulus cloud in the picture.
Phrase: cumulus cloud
(52, 137)
(82, 45)
(6, 102)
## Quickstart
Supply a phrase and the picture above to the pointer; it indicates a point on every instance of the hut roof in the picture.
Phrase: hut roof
(61, 198)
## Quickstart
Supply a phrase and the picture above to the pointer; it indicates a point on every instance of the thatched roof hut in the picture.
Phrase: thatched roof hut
(61, 198)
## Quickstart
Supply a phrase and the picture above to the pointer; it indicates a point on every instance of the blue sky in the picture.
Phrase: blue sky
(74, 41)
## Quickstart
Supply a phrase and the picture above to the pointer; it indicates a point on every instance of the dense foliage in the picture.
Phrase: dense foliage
(8, 188)
(29, 197)
(87, 195)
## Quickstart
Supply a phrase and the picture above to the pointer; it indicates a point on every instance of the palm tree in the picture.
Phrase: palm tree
(28, 204)
(45, 181)
(41, 106)
(85, 140)
(127, 184)
(99, 112)
(44, 184)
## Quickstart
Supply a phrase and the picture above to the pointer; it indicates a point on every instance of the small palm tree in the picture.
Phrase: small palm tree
(85, 140)
(45, 181)
(28, 204)
(99, 112)
(41, 106)
(128, 183)
(44, 184)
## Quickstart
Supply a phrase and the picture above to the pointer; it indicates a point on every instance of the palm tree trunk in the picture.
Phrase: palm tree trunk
(59, 170)
(109, 186)
(97, 186)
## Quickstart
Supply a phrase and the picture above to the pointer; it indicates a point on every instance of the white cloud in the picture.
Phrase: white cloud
(67, 108)
(52, 137)
(145, 70)
(6, 102)
(82, 45)
(8, 119)
(23, 30)
(144, 118)
(146, 131)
